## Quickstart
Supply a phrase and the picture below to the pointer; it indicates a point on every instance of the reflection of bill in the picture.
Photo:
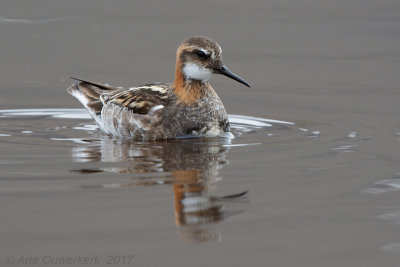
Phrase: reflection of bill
(191, 166)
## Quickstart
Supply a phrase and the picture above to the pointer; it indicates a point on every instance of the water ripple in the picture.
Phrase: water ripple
(240, 124)
(29, 21)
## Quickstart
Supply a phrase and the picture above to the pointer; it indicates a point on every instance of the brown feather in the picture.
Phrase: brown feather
(99, 85)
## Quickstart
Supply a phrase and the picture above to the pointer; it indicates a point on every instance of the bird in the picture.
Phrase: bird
(188, 107)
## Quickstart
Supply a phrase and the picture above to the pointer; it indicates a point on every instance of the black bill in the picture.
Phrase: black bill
(225, 71)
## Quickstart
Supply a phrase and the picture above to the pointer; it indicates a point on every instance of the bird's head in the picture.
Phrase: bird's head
(198, 58)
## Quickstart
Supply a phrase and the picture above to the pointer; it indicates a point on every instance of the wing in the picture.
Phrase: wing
(140, 100)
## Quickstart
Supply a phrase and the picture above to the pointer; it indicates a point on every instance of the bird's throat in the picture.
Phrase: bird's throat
(188, 91)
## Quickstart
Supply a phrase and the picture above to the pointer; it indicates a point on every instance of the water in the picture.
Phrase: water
(154, 162)
(311, 177)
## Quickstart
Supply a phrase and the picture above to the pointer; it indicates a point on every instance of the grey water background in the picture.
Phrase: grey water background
(323, 191)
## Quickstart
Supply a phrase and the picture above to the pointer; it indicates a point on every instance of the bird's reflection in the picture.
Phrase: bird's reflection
(191, 166)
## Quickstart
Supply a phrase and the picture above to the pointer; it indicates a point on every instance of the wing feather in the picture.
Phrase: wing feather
(141, 99)
(138, 100)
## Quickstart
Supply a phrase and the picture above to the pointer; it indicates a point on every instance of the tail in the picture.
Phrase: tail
(88, 93)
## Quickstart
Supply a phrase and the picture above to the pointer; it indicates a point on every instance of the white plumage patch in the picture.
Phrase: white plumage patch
(154, 109)
(213, 130)
(204, 51)
(84, 100)
(78, 95)
(158, 89)
(153, 88)
(196, 72)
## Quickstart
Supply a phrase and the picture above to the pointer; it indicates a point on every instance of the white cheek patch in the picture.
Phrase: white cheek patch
(195, 72)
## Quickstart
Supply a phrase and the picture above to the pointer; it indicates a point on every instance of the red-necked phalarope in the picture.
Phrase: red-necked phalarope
(189, 106)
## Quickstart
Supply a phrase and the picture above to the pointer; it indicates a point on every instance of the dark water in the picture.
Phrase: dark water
(312, 177)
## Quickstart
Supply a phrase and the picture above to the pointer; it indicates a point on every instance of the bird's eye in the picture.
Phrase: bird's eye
(201, 54)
